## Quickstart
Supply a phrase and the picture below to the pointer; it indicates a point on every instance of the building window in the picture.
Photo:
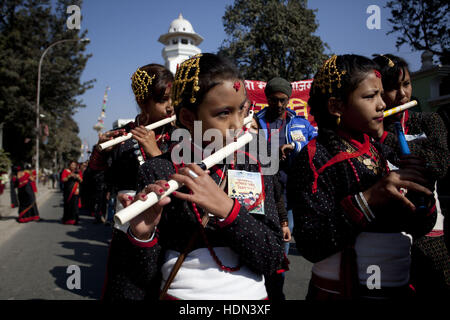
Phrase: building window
(184, 41)
(175, 41)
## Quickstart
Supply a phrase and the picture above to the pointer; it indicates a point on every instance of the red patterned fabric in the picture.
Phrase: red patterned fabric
(297, 102)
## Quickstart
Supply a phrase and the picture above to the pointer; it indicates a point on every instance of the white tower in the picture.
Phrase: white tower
(180, 42)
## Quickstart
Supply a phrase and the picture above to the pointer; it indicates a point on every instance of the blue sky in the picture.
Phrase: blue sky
(124, 35)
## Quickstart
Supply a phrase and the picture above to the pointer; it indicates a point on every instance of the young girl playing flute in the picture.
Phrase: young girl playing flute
(350, 216)
(228, 257)
(115, 168)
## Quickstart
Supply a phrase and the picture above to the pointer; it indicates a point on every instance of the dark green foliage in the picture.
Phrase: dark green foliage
(269, 38)
(27, 28)
(423, 24)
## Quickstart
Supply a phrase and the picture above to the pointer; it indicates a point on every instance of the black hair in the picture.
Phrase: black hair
(157, 89)
(356, 68)
(213, 70)
(72, 161)
(391, 67)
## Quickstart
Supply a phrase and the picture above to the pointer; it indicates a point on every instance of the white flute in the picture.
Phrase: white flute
(136, 208)
(400, 108)
(120, 139)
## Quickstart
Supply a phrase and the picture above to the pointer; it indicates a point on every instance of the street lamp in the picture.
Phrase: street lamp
(37, 99)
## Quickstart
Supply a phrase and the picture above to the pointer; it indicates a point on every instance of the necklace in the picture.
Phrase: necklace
(205, 222)
(370, 160)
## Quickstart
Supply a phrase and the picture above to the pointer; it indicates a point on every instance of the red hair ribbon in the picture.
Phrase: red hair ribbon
(377, 73)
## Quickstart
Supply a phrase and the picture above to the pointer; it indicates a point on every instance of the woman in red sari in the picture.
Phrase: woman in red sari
(71, 179)
(28, 210)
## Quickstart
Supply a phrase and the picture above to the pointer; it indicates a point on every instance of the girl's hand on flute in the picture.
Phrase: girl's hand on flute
(205, 192)
(143, 225)
(418, 164)
(109, 135)
(387, 189)
(147, 140)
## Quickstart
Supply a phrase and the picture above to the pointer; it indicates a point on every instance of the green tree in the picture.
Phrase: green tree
(423, 24)
(5, 163)
(268, 38)
(27, 28)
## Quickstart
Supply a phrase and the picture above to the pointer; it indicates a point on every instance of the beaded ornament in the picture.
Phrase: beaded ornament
(140, 82)
(183, 76)
(328, 74)
(390, 63)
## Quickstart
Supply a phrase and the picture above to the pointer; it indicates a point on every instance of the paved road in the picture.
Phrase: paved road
(34, 257)
(297, 278)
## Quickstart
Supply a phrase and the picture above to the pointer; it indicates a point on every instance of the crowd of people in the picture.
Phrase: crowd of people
(347, 191)
(76, 195)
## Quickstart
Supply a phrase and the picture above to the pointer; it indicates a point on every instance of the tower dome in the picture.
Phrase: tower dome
(181, 25)
(180, 42)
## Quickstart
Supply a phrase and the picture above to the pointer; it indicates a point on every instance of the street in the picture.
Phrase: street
(36, 257)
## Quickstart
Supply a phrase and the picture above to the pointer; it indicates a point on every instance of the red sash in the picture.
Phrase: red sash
(23, 181)
(75, 186)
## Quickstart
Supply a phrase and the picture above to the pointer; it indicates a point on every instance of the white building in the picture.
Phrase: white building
(180, 42)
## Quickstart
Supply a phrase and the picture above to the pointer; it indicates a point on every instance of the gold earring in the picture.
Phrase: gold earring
(338, 120)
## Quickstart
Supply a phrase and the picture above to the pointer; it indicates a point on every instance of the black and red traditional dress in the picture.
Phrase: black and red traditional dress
(28, 210)
(71, 197)
(427, 138)
(354, 248)
(116, 171)
(228, 258)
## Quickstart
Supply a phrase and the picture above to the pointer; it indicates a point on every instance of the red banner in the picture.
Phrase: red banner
(298, 101)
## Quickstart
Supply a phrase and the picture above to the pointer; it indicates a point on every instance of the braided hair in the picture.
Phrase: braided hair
(196, 76)
(338, 77)
(391, 67)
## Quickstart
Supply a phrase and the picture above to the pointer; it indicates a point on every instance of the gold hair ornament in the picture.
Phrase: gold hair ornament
(328, 74)
(140, 82)
(182, 78)
(390, 63)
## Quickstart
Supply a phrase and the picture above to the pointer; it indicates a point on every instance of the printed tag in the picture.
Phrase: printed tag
(297, 135)
(246, 187)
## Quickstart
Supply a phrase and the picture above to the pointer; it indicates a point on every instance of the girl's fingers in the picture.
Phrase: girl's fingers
(125, 200)
(417, 188)
(141, 196)
(194, 167)
(413, 159)
(163, 184)
(164, 201)
(412, 175)
(397, 195)
(184, 179)
(183, 196)
(154, 188)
